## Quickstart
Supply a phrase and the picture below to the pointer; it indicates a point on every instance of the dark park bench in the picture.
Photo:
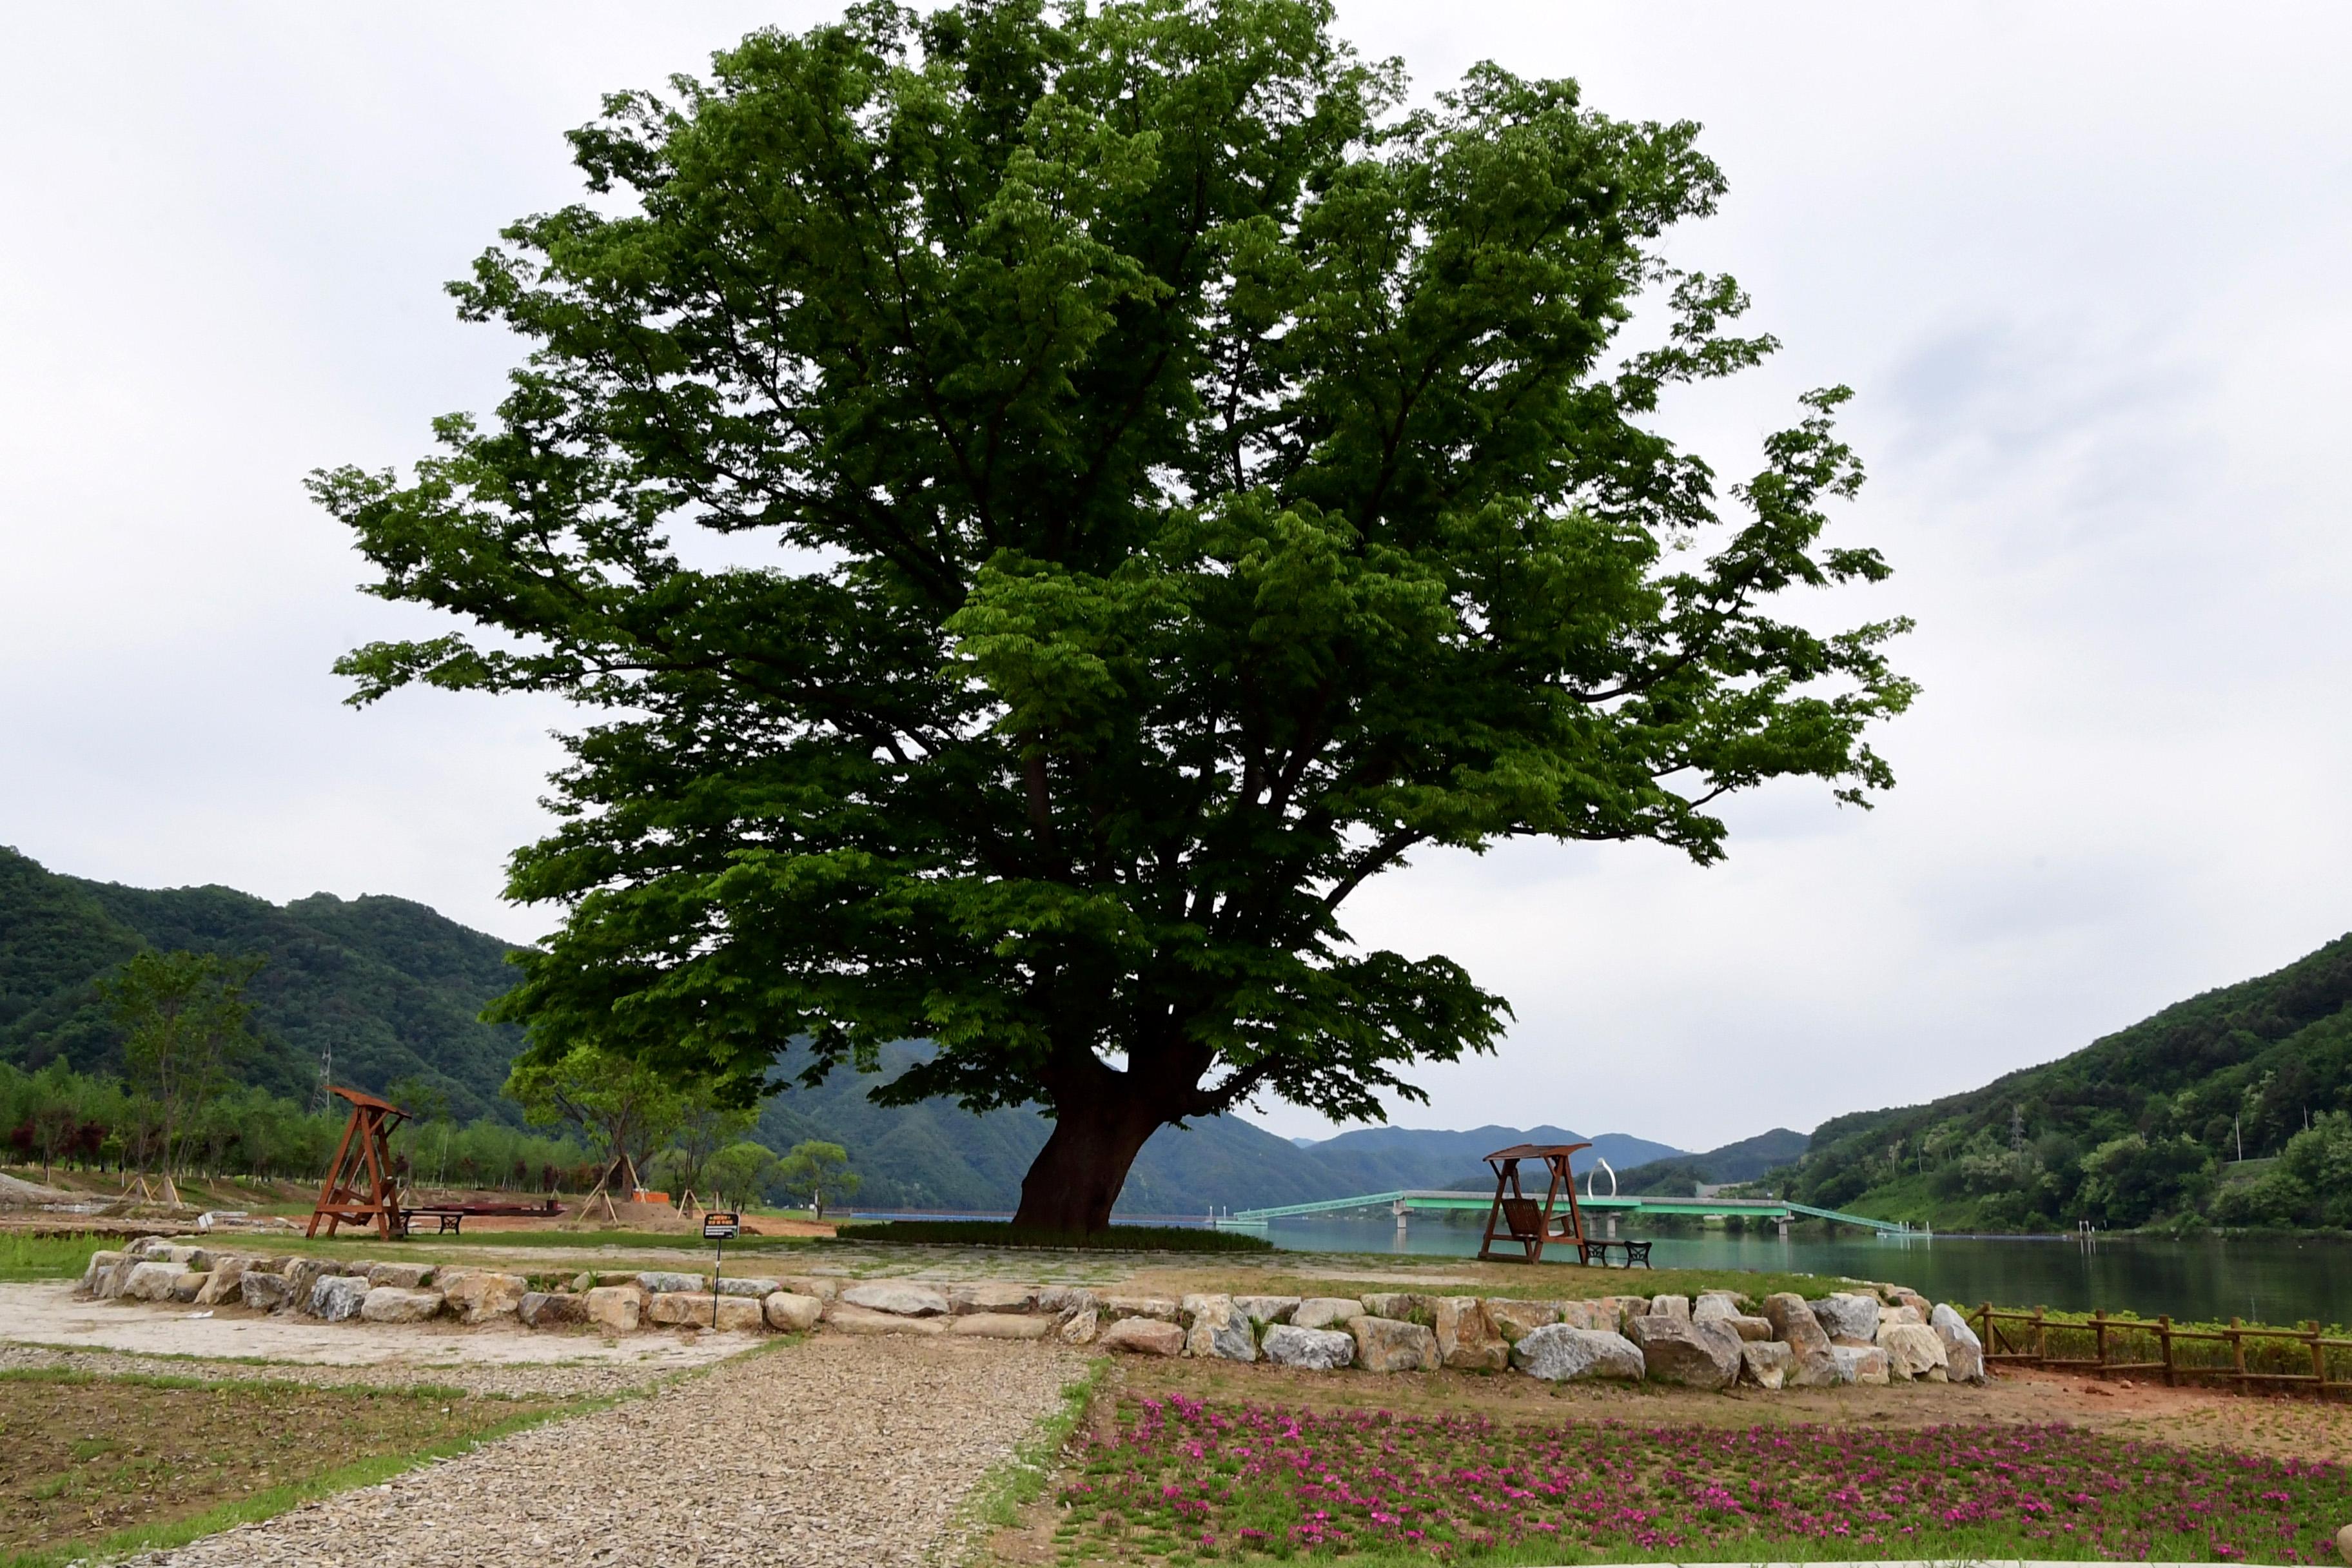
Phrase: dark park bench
(1596, 1250)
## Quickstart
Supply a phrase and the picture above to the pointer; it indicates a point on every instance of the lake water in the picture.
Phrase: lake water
(2212, 1277)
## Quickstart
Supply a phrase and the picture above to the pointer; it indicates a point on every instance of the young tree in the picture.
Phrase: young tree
(622, 1108)
(704, 1131)
(736, 1173)
(186, 1025)
(1190, 482)
(815, 1171)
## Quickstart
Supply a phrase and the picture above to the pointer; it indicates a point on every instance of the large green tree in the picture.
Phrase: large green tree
(1046, 507)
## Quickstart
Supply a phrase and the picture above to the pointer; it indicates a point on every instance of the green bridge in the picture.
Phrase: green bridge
(1404, 1203)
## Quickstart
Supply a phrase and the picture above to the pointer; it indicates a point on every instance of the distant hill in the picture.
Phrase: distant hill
(2137, 1127)
(1742, 1161)
(395, 988)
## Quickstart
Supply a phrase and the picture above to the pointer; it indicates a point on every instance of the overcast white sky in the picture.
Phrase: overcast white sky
(2086, 266)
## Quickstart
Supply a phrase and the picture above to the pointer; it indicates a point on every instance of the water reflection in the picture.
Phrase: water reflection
(2262, 1279)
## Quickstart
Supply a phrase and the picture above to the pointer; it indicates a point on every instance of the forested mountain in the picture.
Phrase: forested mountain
(394, 988)
(2142, 1126)
(1741, 1161)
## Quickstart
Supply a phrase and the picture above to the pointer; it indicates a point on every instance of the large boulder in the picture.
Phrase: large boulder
(1912, 1350)
(1062, 1300)
(1616, 1312)
(481, 1295)
(264, 1291)
(96, 1272)
(1402, 1306)
(701, 1310)
(1392, 1344)
(1317, 1350)
(1221, 1330)
(1143, 1336)
(1323, 1312)
(656, 1280)
(1263, 1311)
(1467, 1339)
(337, 1297)
(616, 1309)
(751, 1285)
(1901, 1314)
(1904, 1296)
(552, 1308)
(790, 1313)
(1963, 1351)
(1860, 1363)
(849, 1318)
(1793, 1320)
(152, 1280)
(117, 1278)
(993, 1297)
(1764, 1362)
(405, 1275)
(1848, 1319)
(1515, 1319)
(305, 1272)
(1559, 1353)
(1001, 1325)
(1670, 1307)
(824, 1287)
(1675, 1349)
(1078, 1328)
(398, 1304)
(900, 1297)
(1118, 1308)
(221, 1284)
(1713, 1305)
(190, 1285)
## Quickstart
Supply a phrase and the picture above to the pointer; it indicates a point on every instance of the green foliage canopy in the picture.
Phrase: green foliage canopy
(1166, 481)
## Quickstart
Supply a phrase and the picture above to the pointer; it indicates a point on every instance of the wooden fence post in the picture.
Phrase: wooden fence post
(2318, 1359)
(2164, 1338)
(1987, 1329)
(2041, 1334)
(2238, 1348)
(2099, 1336)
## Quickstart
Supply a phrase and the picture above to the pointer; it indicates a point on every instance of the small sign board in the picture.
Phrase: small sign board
(722, 1225)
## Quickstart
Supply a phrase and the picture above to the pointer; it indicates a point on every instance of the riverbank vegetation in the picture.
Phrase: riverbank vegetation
(2233, 1108)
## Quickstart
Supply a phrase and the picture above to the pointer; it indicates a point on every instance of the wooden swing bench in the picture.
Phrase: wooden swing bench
(1517, 1220)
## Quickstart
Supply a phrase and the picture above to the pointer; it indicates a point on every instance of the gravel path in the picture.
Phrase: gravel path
(838, 1450)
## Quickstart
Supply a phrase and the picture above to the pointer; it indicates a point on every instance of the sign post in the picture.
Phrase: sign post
(721, 1226)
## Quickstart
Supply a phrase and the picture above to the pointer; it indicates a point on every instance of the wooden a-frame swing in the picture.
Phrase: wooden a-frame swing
(341, 1197)
(1517, 1218)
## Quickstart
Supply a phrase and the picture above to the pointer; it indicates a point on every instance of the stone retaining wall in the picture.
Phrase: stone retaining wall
(1890, 1334)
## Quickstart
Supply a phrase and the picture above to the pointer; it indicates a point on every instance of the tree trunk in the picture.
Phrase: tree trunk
(1078, 1176)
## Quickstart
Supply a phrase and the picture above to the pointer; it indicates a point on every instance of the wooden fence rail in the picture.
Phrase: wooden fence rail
(2101, 1345)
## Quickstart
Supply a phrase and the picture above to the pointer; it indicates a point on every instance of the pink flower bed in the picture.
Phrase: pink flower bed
(1186, 1480)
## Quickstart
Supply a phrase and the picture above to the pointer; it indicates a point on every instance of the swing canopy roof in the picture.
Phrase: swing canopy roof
(1536, 1151)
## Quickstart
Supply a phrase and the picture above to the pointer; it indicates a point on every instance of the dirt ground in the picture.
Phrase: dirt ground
(49, 1314)
(87, 1458)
